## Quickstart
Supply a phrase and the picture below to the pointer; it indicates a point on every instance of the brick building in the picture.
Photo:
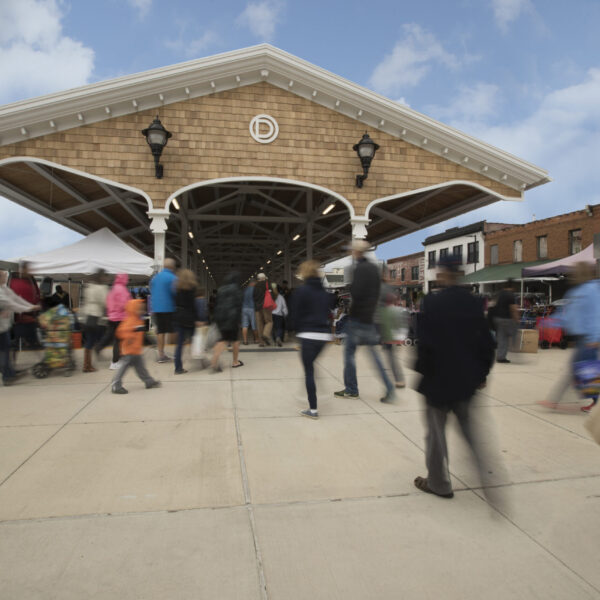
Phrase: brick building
(260, 171)
(552, 238)
(407, 274)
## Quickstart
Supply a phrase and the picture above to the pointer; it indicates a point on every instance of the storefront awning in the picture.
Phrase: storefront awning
(499, 273)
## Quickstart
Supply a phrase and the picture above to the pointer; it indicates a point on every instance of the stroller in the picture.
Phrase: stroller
(56, 324)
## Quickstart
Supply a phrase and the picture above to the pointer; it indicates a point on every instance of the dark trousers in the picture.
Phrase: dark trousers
(183, 333)
(5, 366)
(278, 327)
(91, 336)
(309, 352)
(110, 336)
(137, 362)
(27, 332)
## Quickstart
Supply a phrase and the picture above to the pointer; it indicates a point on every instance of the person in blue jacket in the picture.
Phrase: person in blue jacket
(162, 292)
(311, 306)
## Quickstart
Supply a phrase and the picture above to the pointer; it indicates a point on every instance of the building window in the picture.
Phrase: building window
(414, 273)
(517, 251)
(473, 252)
(393, 274)
(494, 254)
(443, 253)
(431, 263)
(457, 252)
(402, 274)
(542, 246)
(574, 241)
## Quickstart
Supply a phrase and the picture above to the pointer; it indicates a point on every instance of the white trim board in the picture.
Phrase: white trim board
(152, 89)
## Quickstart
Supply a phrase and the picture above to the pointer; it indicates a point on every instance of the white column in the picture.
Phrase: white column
(158, 225)
(359, 227)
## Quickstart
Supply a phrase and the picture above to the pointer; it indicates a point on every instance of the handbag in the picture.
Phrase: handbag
(269, 303)
(592, 423)
(198, 348)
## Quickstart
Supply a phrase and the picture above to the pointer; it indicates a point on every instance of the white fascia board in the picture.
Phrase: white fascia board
(248, 64)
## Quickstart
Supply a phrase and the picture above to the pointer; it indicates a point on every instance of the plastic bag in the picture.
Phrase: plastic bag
(198, 348)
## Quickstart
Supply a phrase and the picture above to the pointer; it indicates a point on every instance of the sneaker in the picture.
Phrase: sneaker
(217, 369)
(278, 342)
(503, 360)
(114, 366)
(119, 390)
(311, 414)
(180, 371)
(267, 340)
(153, 384)
(164, 359)
(389, 398)
(345, 394)
(586, 409)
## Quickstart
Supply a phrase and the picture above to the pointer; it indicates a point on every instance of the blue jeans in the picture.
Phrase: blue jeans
(5, 366)
(182, 334)
(310, 350)
(361, 334)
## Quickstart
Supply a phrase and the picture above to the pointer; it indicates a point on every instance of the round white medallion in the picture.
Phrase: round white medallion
(264, 129)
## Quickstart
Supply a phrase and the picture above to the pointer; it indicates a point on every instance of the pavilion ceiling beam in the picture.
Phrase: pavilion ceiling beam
(285, 207)
(83, 208)
(388, 216)
(247, 219)
(58, 182)
(214, 203)
(140, 218)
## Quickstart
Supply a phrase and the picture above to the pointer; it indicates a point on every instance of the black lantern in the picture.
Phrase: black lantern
(157, 137)
(365, 149)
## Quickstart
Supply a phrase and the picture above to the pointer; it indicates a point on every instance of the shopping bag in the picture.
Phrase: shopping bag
(213, 335)
(587, 377)
(199, 342)
(592, 423)
(269, 303)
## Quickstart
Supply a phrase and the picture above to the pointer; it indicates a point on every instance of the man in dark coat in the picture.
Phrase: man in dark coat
(228, 318)
(455, 355)
(361, 331)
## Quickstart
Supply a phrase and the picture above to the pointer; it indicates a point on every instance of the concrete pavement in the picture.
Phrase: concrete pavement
(214, 487)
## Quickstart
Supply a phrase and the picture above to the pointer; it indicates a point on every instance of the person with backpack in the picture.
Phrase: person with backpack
(228, 318)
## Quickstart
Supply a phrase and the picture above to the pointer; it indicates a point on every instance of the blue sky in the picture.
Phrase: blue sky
(520, 74)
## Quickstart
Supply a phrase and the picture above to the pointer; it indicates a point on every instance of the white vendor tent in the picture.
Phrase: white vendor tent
(99, 250)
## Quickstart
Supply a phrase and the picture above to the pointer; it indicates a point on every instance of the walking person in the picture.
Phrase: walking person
(92, 312)
(116, 300)
(25, 324)
(309, 317)
(131, 333)
(9, 304)
(228, 317)
(248, 313)
(393, 322)
(162, 294)
(279, 315)
(454, 356)
(264, 317)
(506, 319)
(361, 330)
(186, 317)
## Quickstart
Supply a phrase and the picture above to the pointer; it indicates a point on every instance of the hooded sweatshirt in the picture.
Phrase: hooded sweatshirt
(117, 298)
(9, 304)
(131, 329)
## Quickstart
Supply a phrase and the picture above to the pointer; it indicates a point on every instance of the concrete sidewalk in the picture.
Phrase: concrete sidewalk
(214, 487)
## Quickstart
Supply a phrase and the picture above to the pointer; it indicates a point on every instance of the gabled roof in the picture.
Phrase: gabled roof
(454, 232)
(151, 89)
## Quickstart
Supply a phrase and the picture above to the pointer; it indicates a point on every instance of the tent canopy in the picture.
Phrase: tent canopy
(498, 273)
(562, 265)
(99, 250)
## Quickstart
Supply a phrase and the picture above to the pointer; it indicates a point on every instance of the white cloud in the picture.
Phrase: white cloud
(35, 56)
(142, 6)
(507, 11)
(193, 48)
(473, 103)
(261, 18)
(410, 60)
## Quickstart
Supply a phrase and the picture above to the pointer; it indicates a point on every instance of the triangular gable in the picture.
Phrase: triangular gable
(159, 87)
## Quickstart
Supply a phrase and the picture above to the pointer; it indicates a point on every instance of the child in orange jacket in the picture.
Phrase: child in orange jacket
(131, 334)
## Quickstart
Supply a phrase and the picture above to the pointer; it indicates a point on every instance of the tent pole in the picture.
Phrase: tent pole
(521, 292)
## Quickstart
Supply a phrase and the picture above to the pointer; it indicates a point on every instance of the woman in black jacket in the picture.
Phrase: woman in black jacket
(228, 318)
(311, 307)
(185, 312)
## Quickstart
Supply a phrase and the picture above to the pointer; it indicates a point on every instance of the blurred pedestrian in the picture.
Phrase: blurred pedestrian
(393, 326)
(248, 313)
(279, 315)
(116, 300)
(25, 324)
(309, 317)
(131, 333)
(506, 319)
(92, 312)
(186, 316)
(62, 297)
(264, 316)
(454, 356)
(9, 304)
(228, 318)
(162, 294)
(360, 329)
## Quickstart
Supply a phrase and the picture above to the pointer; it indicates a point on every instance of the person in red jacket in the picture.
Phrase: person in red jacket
(131, 333)
(25, 286)
(117, 299)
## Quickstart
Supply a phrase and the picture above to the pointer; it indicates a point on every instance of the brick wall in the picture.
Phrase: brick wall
(406, 262)
(211, 140)
(555, 228)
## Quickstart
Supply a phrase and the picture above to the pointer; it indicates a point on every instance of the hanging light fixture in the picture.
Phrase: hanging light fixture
(157, 137)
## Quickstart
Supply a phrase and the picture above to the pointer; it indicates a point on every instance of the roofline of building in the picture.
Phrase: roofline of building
(153, 89)
(454, 232)
(406, 257)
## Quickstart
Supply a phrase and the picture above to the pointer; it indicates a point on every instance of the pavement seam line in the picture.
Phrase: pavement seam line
(247, 499)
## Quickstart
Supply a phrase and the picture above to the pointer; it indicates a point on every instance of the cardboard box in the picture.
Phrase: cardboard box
(527, 340)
